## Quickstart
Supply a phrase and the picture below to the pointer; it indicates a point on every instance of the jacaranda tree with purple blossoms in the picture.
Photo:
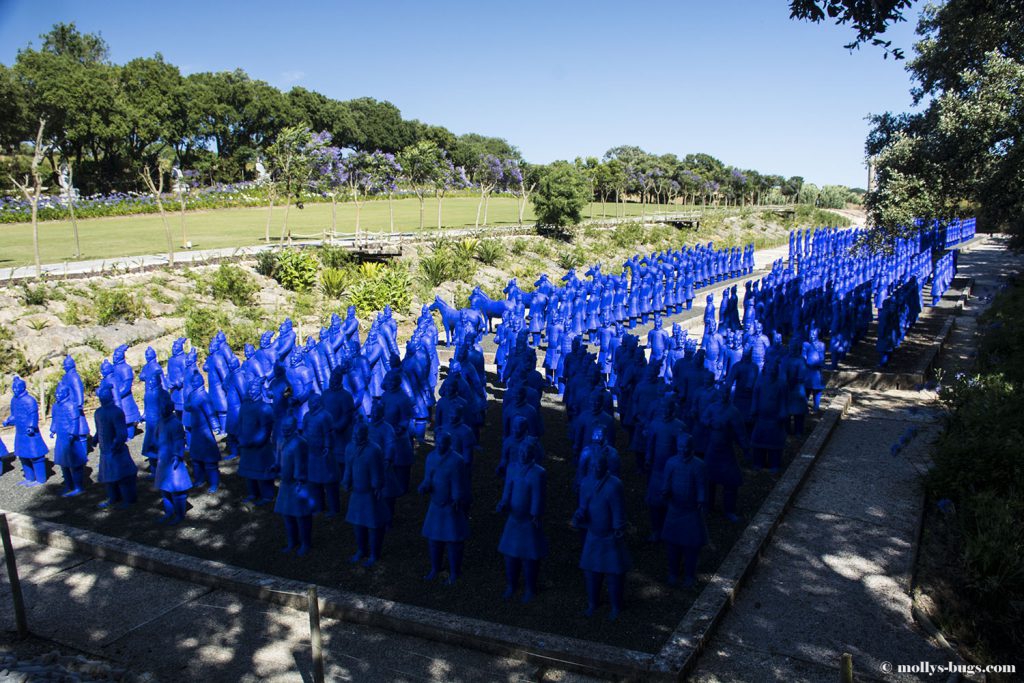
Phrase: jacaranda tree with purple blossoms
(328, 177)
(384, 172)
(489, 175)
(451, 177)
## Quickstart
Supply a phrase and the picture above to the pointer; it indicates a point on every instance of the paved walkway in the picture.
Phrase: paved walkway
(836, 575)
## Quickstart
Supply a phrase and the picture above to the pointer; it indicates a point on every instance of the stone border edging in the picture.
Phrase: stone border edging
(678, 657)
(534, 646)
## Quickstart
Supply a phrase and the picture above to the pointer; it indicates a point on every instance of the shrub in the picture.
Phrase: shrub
(12, 358)
(91, 376)
(465, 249)
(628, 234)
(519, 246)
(34, 296)
(490, 251)
(96, 344)
(296, 270)
(233, 284)
(74, 313)
(392, 287)
(334, 257)
(542, 249)
(119, 303)
(265, 263)
(435, 269)
(573, 258)
(370, 270)
(334, 282)
(561, 195)
(201, 323)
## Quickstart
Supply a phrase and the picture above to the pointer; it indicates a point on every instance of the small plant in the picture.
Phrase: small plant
(38, 324)
(393, 287)
(95, 343)
(296, 270)
(519, 246)
(91, 376)
(628, 234)
(334, 282)
(233, 284)
(201, 323)
(370, 270)
(119, 303)
(34, 296)
(266, 261)
(542, 249)
(573, 258)
(490, 251)
(334, 257)
(465, 249)
(435, 269)
(74, 313)
(12, 358)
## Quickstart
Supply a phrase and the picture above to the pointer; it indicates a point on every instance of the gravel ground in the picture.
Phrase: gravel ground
(36, 660)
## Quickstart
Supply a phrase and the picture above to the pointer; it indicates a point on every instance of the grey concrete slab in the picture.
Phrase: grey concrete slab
(829, 585)
(730, 663)
(223, 636)
(93, 603)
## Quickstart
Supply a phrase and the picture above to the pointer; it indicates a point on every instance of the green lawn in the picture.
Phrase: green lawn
(144, 234)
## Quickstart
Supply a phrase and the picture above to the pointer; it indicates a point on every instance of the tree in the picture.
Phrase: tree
(328, 171)
(33, 193)
(965, 151)
(561, 195)
(451, 177)
(157, 189)
(870, 18)
(422, 164)
(66, 40)
(488, 174)
(384, 171)
(291, 168)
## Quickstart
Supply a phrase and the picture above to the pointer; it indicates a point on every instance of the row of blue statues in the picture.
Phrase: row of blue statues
(337, 412)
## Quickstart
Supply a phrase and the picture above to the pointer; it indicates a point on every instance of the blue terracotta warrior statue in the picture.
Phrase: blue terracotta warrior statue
(523, 543)
(295, 502)
(683, 488)
(29, 446)
(176, 374)
(117, 470)
(324, 468)
(814, 357)
(204, 428)
(71, 441)
(445, 525)
(123, 378)
(603, 510)
(664, 435)
(364, 481)
(256, 445)
(152, 376)
(172, 477)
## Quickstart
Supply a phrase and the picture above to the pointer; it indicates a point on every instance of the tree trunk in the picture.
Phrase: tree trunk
(184, 234)
(479, 206)
(391, 215)
(487, 201)
(167, 231)
(334, 216)
(285, 232)
(439, 197)
(74, 228)
(423, 200)
(270, 213)
(35, 231)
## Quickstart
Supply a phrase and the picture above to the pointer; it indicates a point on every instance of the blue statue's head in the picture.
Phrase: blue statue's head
(324, 334)
(197, 380)
(18, 386)
(119, 353)
(249, 350)
(296, 359)
(178, 347)
(351, 312)
(213, 345)
(106, 394)
(191, 358)
(311, 343)
(289, 425)
(361, 433)
(150, 354)
(315, 402)
(63, 393)
(106, 367)
(266, 340)
(286, 326)
(69, 363)
(234, 363)
(519, 427)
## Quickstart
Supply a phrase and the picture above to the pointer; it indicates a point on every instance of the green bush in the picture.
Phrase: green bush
(265, 263)
(201, 323)
(12, 358)
(233, 284)
(435, 269)
(296, 270)
(628, 234)
(392, 287)
(96, 344)
(119, 303)
(465, 249)
(74, 313)
(561, 194)
(519, 246)
(334, 282)
(334, 257)
(572, 258)
(34, 296)
(490, 251)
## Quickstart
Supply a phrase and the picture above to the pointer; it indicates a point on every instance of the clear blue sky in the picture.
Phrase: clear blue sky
(559, 79)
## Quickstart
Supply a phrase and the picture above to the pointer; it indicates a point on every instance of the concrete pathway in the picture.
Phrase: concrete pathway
(178, 631)
(836, 575)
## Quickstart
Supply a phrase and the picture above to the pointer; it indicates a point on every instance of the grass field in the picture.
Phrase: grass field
(144, 234)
